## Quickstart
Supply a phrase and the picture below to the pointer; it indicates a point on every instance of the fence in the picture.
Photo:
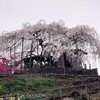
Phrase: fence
(66, 76)
(60, 70)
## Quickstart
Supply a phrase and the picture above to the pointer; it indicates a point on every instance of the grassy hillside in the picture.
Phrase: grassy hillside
(24, 83)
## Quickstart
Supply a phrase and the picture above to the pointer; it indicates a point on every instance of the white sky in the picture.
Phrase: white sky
(13, 13)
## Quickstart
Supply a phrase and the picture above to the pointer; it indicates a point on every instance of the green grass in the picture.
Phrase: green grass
(29, 83)
(23, 84)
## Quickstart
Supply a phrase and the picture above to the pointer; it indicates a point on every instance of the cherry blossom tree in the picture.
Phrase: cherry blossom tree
(53, 39)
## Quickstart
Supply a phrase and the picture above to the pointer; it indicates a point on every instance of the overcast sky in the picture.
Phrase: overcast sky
(13, 13)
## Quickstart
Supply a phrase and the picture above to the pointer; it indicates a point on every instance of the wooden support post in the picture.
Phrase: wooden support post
(46, 75)
(10, 52)
(64, 63)
(22, 52)
(31, 95)
(86, 92)
(16, 97)
(47, 95)
(15, 45)
(37, 53)
(4, 97)
(30, 61)
(60, 92)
